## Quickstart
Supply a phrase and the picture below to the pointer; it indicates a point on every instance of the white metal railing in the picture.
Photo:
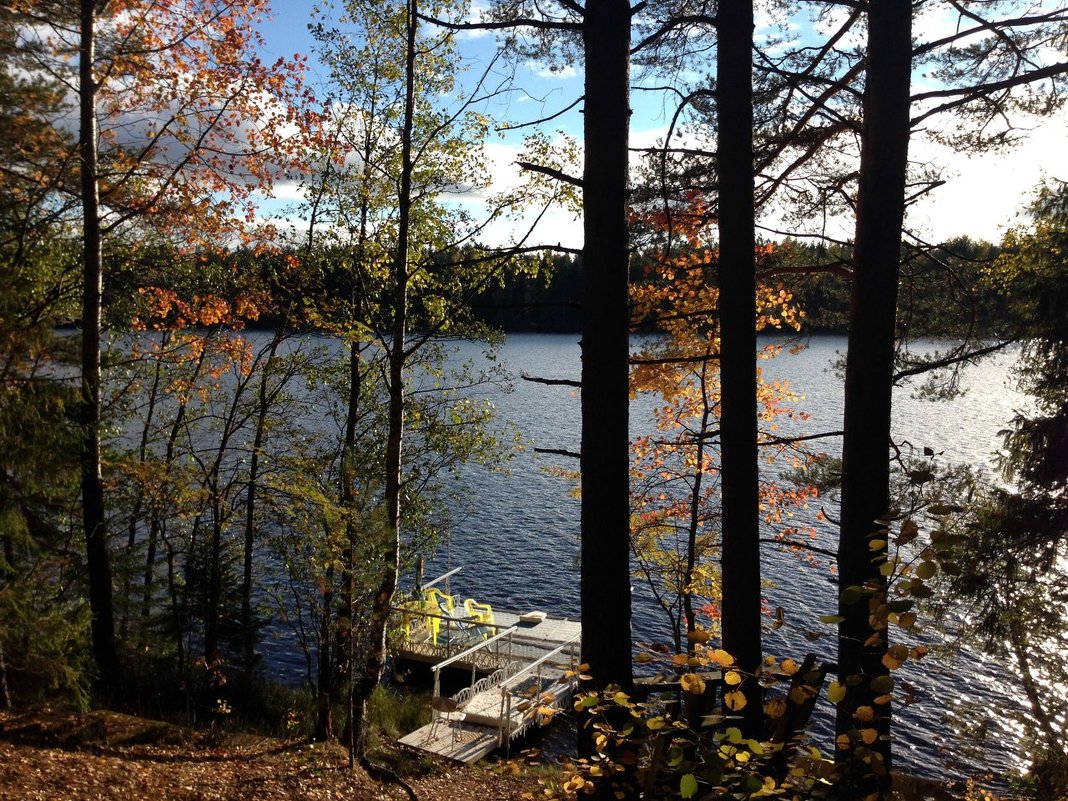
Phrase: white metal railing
(505, 732)
(495, 679)
(497, 638)
(443, 577)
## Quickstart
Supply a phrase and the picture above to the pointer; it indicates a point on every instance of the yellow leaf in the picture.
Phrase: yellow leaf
(734, 700)
(722, 658)
(842, 741)
(836, 692)
(692, 683)
(732, 678)
(775, 708)
(698, 635)
(789, 667)
(895, 656)
(865, 714)
(869, 736)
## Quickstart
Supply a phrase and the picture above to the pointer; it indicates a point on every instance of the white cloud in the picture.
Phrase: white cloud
(557, 72)
(985, 193)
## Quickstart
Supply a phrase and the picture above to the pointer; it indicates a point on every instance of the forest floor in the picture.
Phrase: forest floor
(48, 755)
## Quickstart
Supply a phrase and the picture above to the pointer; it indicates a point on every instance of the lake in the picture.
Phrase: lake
(516, 533)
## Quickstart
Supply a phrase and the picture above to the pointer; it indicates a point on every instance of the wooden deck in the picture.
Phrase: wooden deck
(527, 672)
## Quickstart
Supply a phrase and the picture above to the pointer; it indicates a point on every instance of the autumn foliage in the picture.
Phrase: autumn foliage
(675, 503)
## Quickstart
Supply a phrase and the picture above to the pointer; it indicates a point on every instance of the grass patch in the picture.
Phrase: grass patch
(393, 714)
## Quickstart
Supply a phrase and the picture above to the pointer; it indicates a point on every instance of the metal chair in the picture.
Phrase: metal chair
(451, 712)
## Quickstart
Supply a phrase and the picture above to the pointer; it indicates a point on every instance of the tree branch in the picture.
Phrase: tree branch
(559, 452)
(551, 172)
(525, 22)
(968, 94)
(804, 438)
(551, 382)
(951, 360)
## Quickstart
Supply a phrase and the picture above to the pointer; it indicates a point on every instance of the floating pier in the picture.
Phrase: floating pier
(523, 670)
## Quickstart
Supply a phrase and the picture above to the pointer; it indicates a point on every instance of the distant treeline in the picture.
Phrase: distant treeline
(942, 292)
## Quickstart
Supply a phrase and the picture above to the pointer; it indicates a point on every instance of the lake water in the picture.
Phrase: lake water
(516, 534)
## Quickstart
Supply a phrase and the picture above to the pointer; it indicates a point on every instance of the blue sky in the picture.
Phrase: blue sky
(982, 195)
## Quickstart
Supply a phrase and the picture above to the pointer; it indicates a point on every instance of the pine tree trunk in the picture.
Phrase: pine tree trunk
(869, 371)
(98, 562)
(605, 463)
(737, 312)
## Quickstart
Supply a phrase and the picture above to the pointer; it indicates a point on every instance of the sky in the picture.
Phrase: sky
(982, 196)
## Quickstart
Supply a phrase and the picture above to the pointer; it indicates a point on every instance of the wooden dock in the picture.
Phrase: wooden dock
(523, 670)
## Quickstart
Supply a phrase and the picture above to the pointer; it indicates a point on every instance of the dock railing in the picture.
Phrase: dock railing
(499, 676)
(506, 733)
(448, 630)
(505, 635)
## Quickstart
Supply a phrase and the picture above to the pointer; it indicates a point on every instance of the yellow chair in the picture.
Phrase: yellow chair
(438, 603)
(483, 613)
(480, 613)
(410, 610)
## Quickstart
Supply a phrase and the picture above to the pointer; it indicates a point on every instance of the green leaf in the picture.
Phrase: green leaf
(688, 786)
(831, 619)
(882, 684)
(926, 570)
(850, 595)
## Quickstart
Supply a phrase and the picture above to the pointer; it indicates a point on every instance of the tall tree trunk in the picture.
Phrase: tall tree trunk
(218, 487)
(213, 613)
(157, 523)
(397, 355)
(869, 372)
(5, 695)
(737, 312)
(265, 399)
(348, 471)
(324, 669)
(605, 463)
(94, 520)
(139, 499)
(348, 463)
